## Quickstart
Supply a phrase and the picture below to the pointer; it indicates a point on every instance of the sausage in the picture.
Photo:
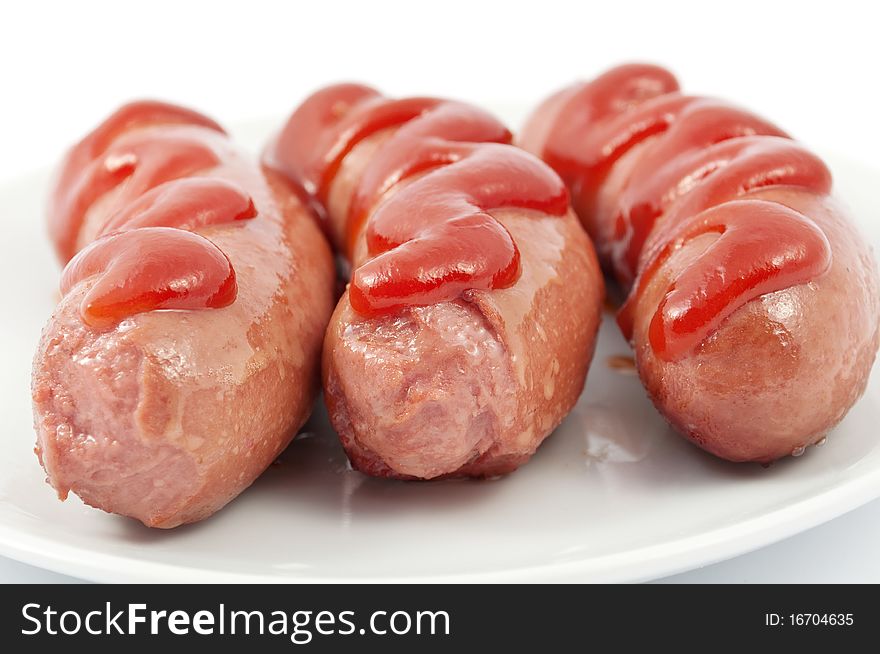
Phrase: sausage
(752, 300)
(184, 353)
(468, 325)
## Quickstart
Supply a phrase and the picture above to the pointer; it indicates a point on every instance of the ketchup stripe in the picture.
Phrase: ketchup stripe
(144, 258)
(698, 159)
(435, 238)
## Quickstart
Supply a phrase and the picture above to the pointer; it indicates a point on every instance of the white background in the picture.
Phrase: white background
(810, 67)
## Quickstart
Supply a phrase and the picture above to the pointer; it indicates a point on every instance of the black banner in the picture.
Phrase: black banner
(433, 618)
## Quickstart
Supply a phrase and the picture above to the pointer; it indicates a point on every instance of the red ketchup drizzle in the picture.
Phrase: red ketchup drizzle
(699, 160)
(145, 258)
(146, 269)
(580, 147)
(328, 125)
(187, 204)
(433, 239)
(417, 147)
(66, 210)
(762, 247)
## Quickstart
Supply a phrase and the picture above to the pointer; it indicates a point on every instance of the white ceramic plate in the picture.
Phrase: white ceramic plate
(613, 495)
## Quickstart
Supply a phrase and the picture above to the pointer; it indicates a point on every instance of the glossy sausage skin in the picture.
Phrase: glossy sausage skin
(465, 334)
(752, 299)
(183, 355)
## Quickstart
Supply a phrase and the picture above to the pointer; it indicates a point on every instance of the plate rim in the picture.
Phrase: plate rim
(638, 564)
